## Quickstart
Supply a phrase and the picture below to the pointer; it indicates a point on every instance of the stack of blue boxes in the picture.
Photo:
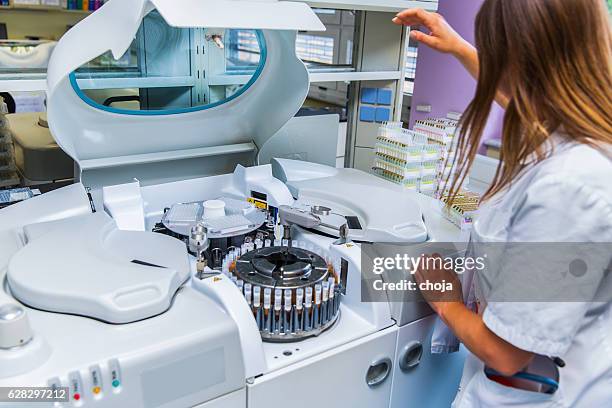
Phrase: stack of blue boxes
(376, 105)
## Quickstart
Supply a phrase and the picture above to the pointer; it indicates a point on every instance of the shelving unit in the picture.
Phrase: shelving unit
(372, 5)
(43, 8)
(137, 82)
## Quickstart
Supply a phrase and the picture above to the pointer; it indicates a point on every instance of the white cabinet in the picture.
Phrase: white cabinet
(236, 399)
(433, 382)
(336, 378)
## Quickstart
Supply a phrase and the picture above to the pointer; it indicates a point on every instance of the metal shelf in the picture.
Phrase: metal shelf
(318, 75)
(136, 82)
(35, 7)
(22, 84)
(37, 82)
(391, 6)
(322, 76)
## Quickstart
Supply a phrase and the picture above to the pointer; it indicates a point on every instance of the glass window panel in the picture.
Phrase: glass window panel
(172, 69)
(313, 48)
(410, 65)
(242, 50)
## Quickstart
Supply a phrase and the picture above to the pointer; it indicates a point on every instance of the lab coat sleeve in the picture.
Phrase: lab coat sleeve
(553, 210)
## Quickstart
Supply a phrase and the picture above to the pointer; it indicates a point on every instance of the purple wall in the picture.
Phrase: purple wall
(441, 81)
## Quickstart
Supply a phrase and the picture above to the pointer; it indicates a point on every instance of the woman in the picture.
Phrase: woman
(549, 64)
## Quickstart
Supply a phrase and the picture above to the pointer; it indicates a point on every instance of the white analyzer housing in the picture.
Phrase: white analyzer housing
(98, 295)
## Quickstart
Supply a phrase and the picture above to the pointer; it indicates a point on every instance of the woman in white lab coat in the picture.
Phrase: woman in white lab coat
(549, 64)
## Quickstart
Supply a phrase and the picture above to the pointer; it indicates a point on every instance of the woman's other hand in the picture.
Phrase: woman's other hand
(439, 286)
(468, 326)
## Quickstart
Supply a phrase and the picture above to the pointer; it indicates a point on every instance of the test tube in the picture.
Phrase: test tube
(316, 312)
(308, 307)
(258, 243)
(308, 298)
(336, 298)
(330, 308)
(267, 243)
(298, 314)
(256, 296)
(337, 268)
(288, 301)
(294, 243)
(278, 297)
(247, 293)
(267, 313)
(325, 296)
(287, 313)
(257, 312)
(318, 290)
(267, 298)
(240, 284)
(278, 300)
(277, 242)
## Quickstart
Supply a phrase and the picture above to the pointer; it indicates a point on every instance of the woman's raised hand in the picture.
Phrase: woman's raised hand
(441, 37)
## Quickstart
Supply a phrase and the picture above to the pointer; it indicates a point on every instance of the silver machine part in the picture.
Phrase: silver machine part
(301, 292)
(320, 210)
(198, 239)
(308, 219)
(198, 244)
(291, 215)
(343, 232)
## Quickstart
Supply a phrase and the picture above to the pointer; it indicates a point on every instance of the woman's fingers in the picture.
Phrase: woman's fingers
(416, 16)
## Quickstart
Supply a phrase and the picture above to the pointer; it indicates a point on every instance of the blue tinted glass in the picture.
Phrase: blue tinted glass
(169, 70)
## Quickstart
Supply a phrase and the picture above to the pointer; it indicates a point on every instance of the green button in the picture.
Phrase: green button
(116, 383)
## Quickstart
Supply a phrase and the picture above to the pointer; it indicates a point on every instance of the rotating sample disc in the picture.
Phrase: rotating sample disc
(293, 292)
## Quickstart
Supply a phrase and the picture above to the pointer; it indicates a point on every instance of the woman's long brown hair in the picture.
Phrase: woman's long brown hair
(552, 59)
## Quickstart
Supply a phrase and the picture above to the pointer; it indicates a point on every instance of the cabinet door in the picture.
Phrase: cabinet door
(236, 399)
(433, 382)
(336, 378)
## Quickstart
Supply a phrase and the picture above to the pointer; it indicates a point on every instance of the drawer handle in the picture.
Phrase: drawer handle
(410, 356)
(378, 372)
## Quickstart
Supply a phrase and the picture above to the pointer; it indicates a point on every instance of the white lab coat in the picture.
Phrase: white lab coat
(565, 198)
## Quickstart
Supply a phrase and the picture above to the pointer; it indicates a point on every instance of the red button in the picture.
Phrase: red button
(77, 397)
